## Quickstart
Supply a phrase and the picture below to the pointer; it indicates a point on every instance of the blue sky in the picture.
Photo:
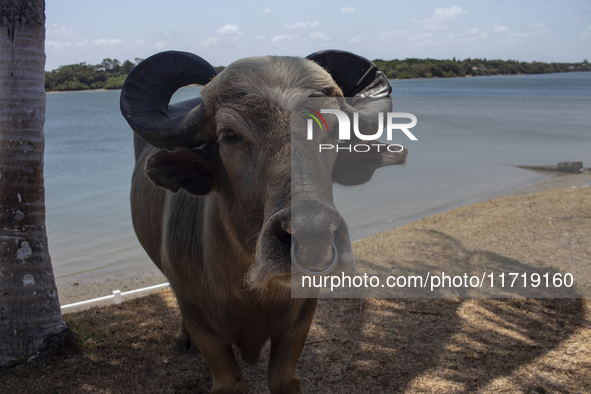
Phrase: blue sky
(223, 31)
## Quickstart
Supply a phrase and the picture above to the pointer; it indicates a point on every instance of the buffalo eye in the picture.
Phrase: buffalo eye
(230, 137)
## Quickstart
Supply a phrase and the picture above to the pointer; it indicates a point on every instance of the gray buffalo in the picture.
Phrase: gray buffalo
(222, 191)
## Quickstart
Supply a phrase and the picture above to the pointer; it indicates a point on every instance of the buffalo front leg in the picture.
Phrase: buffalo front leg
(226, 374)
(286, 349)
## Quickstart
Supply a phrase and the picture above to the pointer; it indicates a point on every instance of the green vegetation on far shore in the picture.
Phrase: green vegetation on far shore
(111, 74)
(428, 68)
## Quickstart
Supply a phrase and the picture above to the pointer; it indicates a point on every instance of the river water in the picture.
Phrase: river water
(472, 132)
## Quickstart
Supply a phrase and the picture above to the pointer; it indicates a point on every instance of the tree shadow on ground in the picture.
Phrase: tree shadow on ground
(399, 346)
(449, 345)
(354, 346)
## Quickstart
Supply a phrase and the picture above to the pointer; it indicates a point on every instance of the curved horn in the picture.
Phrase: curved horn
(366, 88)
(356, 76)
(147, 92)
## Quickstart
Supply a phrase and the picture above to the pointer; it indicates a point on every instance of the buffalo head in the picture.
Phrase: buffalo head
(273, 191)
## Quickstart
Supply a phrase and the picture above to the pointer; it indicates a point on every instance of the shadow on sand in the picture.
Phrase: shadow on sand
(354, 346)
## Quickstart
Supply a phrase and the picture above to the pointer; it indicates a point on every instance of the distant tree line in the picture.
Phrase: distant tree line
(111, 74)
(428, 68)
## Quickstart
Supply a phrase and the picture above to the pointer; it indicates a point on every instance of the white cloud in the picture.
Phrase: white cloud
(359, 38)
(440, 17)
(260, 36)
(227, 33)
(105, 41)
(423, 36)
(59, 37)
(385, 34)
(444, 14)
(68, 46)
(300, 25)
(347, 10)
(282, 37)
(517, 34)
(588, 28)
(57, 32)
(401, 35)
(319, 36)
(229, 30)
(50, 44)
(500, 28)
(475, 35)
(541, 28)
(265, 11)
(210, 41)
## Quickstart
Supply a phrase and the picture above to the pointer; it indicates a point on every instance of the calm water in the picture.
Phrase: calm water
(471, 133)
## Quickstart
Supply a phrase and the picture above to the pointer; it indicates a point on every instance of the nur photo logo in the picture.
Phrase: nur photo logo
(344, 129)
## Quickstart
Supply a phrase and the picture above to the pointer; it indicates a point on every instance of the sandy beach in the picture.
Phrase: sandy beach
(71, 292)
(557, 181)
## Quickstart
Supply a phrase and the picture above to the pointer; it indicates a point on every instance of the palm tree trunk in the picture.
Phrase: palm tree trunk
(30, 315)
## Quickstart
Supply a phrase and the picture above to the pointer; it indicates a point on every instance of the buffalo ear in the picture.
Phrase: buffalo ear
(354, 168)
(182, 168)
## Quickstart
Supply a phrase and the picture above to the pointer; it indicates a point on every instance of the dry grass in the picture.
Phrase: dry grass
(378, 345)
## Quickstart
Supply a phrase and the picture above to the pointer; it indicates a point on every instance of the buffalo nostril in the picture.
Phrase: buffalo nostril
(286, 225)
(333, 227)
(283, 231)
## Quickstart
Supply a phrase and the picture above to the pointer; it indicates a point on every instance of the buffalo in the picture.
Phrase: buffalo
(224, 198)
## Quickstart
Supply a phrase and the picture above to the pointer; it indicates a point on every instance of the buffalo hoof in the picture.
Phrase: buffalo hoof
(292, 385)
(227, 391)
(235, 386)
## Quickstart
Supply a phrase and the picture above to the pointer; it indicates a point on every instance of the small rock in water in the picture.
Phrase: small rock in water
(574, 167)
